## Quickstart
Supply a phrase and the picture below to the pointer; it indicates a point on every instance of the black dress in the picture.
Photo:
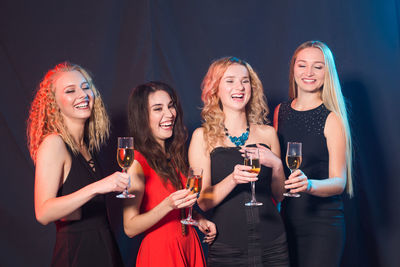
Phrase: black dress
(88, 241)
(314, 225)
(247, 236)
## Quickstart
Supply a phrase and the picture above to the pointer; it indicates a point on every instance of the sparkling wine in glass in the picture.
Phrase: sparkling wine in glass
(252, 158)
(194, 181)
(125, 158)
(293, 161)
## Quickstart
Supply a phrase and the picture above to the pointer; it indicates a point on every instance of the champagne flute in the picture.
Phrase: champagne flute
(252, 158)
(293, 161)
(125, 158)
(194, 181)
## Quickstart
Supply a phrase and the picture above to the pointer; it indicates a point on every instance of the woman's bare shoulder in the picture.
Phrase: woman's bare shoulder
(52, 144)
(264, 129)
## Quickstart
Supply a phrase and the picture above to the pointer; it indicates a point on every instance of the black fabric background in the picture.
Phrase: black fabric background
(124, 43)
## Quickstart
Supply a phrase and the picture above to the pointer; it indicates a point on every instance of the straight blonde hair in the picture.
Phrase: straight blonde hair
(332, 98)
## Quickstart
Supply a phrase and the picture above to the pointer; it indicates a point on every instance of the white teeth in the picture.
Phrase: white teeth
(83, 105)
(237, 96)
(168, 124)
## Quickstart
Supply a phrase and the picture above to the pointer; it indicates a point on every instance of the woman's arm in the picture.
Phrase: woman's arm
(278, 175)
(136, 222)
(51, 170)
(210, 195)
(336, 183)
(271, 158)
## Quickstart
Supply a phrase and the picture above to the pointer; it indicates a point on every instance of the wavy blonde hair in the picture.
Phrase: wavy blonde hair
(332, 98)
(212, 112)
(45, 116)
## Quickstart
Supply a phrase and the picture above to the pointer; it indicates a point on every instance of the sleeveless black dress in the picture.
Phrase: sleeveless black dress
(247, 236)
(88, 241)
(314, 225)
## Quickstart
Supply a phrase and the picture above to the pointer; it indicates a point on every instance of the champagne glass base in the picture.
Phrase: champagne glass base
(124, 195)
(190, 222)
(253, 203)
(291, 194)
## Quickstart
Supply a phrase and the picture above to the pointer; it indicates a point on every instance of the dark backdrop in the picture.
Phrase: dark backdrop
(124, 43)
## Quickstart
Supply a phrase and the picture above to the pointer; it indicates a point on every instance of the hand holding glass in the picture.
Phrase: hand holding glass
(293, 161)
(194, 181)
(125, 158)
(252, 158)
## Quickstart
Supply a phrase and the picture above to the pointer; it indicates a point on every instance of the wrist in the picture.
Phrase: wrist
(232, 180)
(277, 165)
(166, 205)
(310, 187)
(93, 189)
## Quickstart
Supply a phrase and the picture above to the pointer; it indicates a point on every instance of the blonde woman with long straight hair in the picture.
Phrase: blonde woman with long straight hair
(315, 116)
(66, 126)
(234, 116)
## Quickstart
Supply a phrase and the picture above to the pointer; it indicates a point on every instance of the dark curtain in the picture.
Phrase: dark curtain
(124, 43)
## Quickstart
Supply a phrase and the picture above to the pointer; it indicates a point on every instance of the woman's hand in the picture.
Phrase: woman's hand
(241, 174)
(267, 157)
(115, 182)
(298, 182)
(181, 199)
(209, 229)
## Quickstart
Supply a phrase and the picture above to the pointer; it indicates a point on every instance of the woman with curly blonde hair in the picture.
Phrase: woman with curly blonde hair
(234, 115)
(66, 126)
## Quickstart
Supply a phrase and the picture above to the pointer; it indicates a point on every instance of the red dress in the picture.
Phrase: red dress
(164, 244)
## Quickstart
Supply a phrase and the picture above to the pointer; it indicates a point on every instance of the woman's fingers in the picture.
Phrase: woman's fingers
(242, 175)
(180, 194)
(296, 174)
(209, 237)
(209, 230)
(182, 199)
(187, 202)
(297, 182)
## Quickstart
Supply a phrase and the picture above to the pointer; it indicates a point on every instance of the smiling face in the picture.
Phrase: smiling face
(234, 89)
(162, 114)
(309, 70)
(73, 96)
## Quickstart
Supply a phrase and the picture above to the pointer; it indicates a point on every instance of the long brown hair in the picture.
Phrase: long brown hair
(174, 158)
(45, 115)
(332, 97)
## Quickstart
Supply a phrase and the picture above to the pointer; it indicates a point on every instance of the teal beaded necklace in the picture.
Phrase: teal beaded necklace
(238, 140)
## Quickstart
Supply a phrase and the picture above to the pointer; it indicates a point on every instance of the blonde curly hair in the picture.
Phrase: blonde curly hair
(45, 117)
(212, 112)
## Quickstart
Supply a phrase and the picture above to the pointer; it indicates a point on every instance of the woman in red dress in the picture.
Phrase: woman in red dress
(156, 124)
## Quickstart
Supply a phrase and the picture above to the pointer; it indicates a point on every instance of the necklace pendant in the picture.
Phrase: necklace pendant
(238, 140)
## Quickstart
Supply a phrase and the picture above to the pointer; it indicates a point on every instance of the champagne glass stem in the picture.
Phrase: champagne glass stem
(189, 218)
(126, 193)
(288, 194)
(291, 171)
(253, 189)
